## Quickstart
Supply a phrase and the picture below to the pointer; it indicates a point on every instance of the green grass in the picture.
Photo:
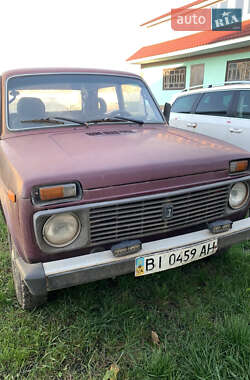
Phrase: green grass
(200, 313)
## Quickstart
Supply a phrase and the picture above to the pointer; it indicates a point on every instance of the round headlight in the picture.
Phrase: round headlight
(61, 230)
(238, 195)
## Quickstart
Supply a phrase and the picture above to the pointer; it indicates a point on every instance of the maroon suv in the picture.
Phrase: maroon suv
(95, 184)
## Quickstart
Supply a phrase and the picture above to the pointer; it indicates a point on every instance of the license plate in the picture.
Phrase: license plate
(174, 258)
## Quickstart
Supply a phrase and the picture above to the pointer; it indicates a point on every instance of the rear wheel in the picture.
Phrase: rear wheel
(24, 297)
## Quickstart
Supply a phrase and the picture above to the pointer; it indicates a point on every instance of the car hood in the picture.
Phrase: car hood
(108, 156)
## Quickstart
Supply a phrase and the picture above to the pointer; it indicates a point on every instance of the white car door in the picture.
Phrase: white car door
(239, 126)
(210, 116)
(181, 115)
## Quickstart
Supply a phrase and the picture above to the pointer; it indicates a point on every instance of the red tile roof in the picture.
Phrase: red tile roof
(191, 41)
(196, 2)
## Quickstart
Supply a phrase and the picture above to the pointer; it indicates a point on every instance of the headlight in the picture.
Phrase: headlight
(61, 230)
(238, 195)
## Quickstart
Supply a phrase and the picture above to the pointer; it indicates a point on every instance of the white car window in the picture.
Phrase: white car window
(185, 103)
(215, 103)
(243, 107)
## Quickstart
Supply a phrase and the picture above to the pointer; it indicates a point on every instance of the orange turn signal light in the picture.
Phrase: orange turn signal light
(238, 166)
(48, 193)
(11, 196)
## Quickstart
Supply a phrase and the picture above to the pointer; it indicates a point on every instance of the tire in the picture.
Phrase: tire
(25, 298)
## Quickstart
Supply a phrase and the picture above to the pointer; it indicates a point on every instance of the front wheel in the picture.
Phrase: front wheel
(24, 297)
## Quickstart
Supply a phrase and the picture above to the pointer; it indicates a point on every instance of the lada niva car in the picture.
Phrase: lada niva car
(94, 184)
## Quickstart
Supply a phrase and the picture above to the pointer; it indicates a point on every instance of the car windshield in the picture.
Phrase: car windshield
(39, 101)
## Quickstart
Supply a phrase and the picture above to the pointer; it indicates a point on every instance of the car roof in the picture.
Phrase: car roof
(68, 70)
(211, 88)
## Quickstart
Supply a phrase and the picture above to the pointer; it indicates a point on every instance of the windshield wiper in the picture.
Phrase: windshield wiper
(46, 121)
(80, 122)
(114, 119)
(55, 120)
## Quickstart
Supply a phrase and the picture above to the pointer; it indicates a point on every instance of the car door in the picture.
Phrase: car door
(181, 115)
(212, 115)
(239, 126)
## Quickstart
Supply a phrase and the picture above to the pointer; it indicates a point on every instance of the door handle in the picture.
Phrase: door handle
(192, 125)
(235, 130)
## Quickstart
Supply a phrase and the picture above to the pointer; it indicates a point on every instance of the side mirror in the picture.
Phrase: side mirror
(166, 111)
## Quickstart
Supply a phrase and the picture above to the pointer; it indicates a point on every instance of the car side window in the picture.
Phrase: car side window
(215, 103)
(243, 107)
(184, 104)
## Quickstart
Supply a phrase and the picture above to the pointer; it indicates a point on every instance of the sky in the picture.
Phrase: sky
(75, 33)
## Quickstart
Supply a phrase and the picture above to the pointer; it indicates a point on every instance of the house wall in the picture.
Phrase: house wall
(214, 71)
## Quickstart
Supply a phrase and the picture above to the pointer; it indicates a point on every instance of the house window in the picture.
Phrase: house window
(238, 70)
(174, 79)
(196, 75)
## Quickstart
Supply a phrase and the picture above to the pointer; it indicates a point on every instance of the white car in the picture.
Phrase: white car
(222, 112)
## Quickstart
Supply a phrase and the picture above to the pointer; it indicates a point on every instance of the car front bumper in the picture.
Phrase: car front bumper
(43, 277)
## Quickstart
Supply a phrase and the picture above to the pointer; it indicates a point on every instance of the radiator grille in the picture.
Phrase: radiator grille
(143, 218)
